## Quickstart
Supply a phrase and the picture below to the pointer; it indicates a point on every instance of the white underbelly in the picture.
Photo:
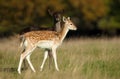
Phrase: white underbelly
(45, 44)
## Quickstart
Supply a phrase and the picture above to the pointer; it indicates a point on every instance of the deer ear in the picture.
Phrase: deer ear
(64, 19)
(50, 12)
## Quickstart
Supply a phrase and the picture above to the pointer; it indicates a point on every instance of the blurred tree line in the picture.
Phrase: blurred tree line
(92, 17)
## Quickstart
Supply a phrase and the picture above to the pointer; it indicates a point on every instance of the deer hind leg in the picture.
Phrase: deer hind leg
(55, 58)
(24, 62)
(50, 57)
(29, 62)
(23, 56)
(45, 57)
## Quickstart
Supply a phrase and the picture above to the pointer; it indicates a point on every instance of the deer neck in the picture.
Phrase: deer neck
(63, 33)
(58, 26)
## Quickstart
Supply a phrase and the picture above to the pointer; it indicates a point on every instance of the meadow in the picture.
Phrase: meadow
(78, 58)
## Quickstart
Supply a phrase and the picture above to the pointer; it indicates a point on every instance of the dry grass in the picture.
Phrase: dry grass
(81, 58)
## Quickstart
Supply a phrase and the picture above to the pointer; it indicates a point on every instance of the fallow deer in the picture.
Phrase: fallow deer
(44, 39)
(58, 23)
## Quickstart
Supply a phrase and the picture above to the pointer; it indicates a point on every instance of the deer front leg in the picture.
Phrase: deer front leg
(55, 58)
(45, 57)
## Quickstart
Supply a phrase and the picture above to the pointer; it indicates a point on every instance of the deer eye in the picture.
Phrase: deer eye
(70, 24)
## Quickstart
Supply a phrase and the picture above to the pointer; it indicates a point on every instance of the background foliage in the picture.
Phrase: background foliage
(90, 16)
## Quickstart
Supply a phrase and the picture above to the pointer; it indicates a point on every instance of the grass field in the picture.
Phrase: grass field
(80, 58)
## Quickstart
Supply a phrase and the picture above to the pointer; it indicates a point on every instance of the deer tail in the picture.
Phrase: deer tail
(22, 40)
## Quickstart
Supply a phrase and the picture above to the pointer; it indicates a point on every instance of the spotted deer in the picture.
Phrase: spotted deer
(44, 39)
(58, 23)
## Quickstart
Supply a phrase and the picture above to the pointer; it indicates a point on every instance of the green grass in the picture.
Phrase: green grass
(81, 58)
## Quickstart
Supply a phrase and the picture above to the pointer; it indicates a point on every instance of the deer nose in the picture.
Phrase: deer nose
(75, 28)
